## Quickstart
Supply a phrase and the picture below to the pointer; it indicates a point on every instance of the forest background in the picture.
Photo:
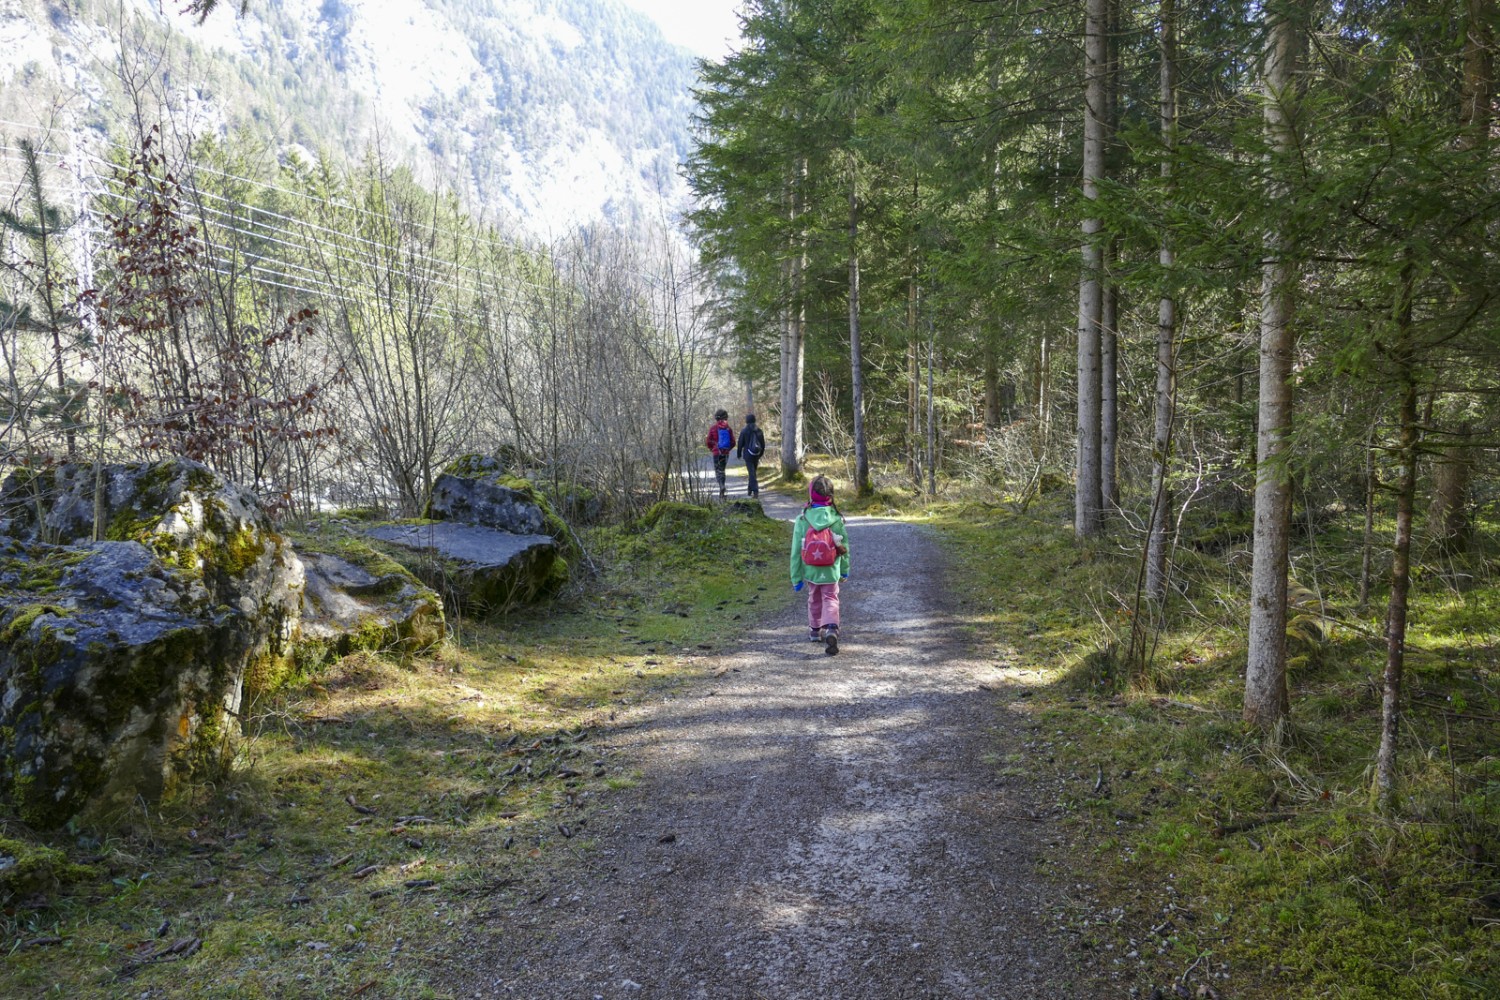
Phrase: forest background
(1265, 387)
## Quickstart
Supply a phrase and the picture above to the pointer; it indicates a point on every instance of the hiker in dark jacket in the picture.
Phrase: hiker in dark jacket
(751, 446)
(720, 442)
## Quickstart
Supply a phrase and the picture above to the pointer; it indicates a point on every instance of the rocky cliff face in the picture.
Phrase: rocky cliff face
(551, 112)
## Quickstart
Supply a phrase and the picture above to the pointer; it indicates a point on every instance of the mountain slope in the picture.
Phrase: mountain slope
(552, 112)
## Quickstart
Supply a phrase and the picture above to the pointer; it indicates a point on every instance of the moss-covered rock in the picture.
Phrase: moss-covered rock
(122, 660)
(191, 517)
(359, 599)
(476, 490)
(672, 515)
(117, 685)
(476, 568)
(26, 868)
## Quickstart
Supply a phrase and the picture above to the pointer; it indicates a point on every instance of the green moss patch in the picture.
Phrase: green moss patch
(1257, 870)
(27, 867)
(382, 812)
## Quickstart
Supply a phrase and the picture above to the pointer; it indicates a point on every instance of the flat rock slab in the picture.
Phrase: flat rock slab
(346, 607)
(473, 544)
(481, 501)
(474, 566)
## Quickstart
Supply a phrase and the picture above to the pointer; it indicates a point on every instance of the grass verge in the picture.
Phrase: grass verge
(1220, 864)
(378, 806)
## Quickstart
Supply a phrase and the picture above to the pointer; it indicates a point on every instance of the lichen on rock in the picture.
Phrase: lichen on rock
(357, 598)
(111, 691)
(122, 659)
(192, 518)
(476, 568)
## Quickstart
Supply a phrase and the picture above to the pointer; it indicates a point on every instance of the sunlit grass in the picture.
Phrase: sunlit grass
(380, 805)
(1263, 862)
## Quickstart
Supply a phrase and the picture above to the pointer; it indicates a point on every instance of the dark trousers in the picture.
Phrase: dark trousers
(719, 462)
(750, 464)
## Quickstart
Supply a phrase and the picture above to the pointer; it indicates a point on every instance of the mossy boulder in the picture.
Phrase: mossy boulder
(192, 518)
(672, 516)
(476, 489)
(26, 867)
(114, 682)
(476, 568)
(357, 598)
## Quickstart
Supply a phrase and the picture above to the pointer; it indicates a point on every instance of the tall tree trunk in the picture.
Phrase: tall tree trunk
(856, 366)
(913, 387)
(1367, 548)
(992, 395)
(1477, 111)
(931, 408)
(783, 396)
(1266, 700)
(1043, 396)
(794, 339)
(1451, 476)
(1109, 308)
(1109, 410)
(913, 357)
(1166, 332)
(1088, 498)
(1395, 618)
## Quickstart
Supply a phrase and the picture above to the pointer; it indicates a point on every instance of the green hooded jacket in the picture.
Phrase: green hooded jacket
(819, 517)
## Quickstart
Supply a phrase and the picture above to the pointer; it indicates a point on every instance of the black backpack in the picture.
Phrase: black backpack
(752, 442)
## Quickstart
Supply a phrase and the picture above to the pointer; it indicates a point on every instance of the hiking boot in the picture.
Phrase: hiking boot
(814, 635)
(830, 640)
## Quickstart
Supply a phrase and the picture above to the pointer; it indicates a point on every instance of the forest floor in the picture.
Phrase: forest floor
(808, 825)
(657, 786)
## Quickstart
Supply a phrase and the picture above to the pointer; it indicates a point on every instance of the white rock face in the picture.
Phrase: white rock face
(549, 113)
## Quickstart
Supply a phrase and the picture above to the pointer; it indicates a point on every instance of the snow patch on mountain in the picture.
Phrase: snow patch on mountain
(554, 113)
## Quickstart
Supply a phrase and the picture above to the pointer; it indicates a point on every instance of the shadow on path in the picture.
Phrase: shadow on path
(809, 826)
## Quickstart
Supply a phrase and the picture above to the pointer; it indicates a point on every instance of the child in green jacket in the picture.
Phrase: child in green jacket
(820, 559)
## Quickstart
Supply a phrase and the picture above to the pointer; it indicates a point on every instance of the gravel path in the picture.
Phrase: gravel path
(808, 826)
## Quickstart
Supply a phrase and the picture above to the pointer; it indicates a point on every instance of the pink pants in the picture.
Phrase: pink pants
(822, 605)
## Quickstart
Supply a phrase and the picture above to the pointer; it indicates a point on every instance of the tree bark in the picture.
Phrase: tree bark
(794, 345)
(1266, 699)
(992, 401)
(856, 366)
(1109, 310)
(1109, 411)
(1367, 550)
(1043, 396)
(1477, 110)
(913, 388)
(1451, 476)
(1395, 619)
(1088, 496)
(931, 408)
(1166, 333)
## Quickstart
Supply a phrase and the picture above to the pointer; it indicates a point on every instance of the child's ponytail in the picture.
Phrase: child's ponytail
(820, 490)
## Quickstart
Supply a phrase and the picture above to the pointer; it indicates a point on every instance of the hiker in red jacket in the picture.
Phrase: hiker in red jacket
(720, 441)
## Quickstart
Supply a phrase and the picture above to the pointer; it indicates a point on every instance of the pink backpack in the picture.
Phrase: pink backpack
(818, 547)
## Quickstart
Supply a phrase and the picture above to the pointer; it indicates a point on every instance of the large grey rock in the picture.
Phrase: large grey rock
(474, 566)
(477, 490)
(346, 607)
(117, 672)
(191, 517)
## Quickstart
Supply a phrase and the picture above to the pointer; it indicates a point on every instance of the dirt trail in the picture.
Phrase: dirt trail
(808, 826)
